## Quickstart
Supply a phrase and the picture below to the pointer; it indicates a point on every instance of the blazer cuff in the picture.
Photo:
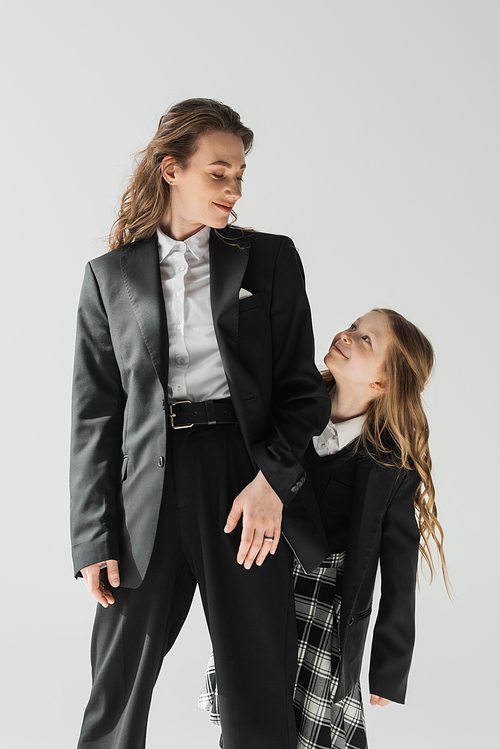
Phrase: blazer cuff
(286, 477)
(85, 554)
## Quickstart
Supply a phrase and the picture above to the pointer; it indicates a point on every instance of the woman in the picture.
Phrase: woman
(188, 332)
(371, 472)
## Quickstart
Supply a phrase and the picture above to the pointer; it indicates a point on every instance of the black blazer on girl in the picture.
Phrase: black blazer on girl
(382, 527)
(119, 425)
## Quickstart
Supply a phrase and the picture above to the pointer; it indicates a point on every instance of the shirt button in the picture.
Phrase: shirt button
(182, 267)
(178, 388)
(323, 445)
(179, 327)
(178, 293)
(161, 461)
(180, 360)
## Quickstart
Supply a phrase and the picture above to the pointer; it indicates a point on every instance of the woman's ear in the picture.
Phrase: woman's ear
(169, 169)
(379, 387)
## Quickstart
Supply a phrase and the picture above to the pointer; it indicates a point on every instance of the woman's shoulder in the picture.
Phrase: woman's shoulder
(252, 237)
(113, 258)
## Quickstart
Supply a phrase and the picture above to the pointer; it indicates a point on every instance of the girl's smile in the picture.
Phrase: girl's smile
(336, 347)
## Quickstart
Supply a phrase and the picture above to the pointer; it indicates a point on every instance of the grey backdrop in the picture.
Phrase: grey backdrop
(377, 150)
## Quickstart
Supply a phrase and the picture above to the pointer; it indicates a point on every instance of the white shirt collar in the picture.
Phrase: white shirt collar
(337, 436)
(198, 243)
(348, 430)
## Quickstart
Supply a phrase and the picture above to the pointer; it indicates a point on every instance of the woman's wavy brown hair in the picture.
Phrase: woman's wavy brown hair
(396, 426)
(147, 196)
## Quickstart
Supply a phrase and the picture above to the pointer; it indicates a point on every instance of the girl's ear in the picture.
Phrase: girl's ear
(379, 387)
(168, 169)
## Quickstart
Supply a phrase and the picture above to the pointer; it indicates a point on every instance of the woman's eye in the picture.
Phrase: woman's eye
(366, 338)
(218, 176)
(353, 327)
(240, 179)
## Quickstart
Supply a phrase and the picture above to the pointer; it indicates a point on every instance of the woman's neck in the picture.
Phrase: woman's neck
(176, 228)
(346, 404)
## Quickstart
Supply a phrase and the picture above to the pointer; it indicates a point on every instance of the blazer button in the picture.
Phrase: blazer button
(294, 489)
(351, 621)
(161, 461)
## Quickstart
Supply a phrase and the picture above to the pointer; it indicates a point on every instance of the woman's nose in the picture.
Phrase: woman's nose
(233, 189)
(345, 337)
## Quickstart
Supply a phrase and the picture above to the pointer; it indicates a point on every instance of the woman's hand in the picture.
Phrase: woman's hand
(262, 510)
(91, 576)
(381, 701)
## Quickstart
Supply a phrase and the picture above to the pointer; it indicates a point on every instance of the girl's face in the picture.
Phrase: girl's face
(205, 193)
(357, 356)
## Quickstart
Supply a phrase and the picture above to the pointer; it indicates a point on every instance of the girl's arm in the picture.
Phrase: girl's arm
(394, 632)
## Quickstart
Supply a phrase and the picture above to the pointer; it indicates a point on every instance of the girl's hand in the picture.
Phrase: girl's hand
(381, 701)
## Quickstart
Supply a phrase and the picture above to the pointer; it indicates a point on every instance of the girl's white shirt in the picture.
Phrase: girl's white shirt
(336, 436)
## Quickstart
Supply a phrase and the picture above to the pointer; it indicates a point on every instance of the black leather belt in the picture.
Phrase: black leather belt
(185, 414)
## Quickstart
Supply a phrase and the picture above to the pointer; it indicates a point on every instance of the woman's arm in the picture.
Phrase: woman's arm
(97, 418)
(394, 632)
(300, 402)
(300, 409)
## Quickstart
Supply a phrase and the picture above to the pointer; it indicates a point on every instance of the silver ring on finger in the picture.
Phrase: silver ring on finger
(268, 538)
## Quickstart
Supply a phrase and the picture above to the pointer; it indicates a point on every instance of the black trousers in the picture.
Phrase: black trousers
(250, 613)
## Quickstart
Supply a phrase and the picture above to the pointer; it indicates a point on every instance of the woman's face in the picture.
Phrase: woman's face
(357, 356)
(205, 192)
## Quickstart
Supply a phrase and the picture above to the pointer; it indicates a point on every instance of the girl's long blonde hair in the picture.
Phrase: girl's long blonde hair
(398, 414)
(147, 196)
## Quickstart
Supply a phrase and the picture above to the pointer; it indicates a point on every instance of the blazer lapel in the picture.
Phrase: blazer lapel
(141, 274)
(228, 263)
(372, 490)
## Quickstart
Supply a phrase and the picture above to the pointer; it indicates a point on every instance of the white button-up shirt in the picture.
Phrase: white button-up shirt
(337, 436)
(195, 370)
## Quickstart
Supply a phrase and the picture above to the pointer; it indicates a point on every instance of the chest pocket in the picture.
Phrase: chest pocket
(250, 302)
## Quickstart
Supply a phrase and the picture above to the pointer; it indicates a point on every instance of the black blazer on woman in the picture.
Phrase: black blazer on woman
(119, 426)
(382, 526)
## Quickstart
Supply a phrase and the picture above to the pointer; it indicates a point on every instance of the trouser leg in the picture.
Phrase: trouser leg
(250, 613)
(130, 639)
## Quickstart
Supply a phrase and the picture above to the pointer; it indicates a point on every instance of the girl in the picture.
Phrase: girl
(371, 473)
(187, 332)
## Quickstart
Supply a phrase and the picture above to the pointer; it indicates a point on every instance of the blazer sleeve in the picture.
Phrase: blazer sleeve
(394, 633)
(300, 402)
(97, 418)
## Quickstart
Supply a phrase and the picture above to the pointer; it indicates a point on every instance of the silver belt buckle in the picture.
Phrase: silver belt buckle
(172, 415)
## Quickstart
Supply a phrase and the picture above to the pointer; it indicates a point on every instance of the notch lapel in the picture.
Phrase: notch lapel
(141, 274)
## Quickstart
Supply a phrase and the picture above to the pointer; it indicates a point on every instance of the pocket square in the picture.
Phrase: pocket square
(244, 293)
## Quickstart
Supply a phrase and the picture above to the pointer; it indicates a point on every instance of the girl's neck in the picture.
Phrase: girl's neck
(346, 404)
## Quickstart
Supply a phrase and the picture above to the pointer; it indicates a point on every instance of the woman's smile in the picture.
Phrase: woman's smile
(224, 207)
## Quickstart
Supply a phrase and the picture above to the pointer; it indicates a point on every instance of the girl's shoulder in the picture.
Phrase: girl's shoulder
(388, 458)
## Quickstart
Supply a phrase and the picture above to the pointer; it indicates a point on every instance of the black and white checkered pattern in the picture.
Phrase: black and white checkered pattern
(320, 723)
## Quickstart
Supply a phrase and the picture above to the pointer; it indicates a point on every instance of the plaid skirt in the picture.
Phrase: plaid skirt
(321, 723)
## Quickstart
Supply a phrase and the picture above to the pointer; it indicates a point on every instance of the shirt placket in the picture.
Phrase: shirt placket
(179, 359)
